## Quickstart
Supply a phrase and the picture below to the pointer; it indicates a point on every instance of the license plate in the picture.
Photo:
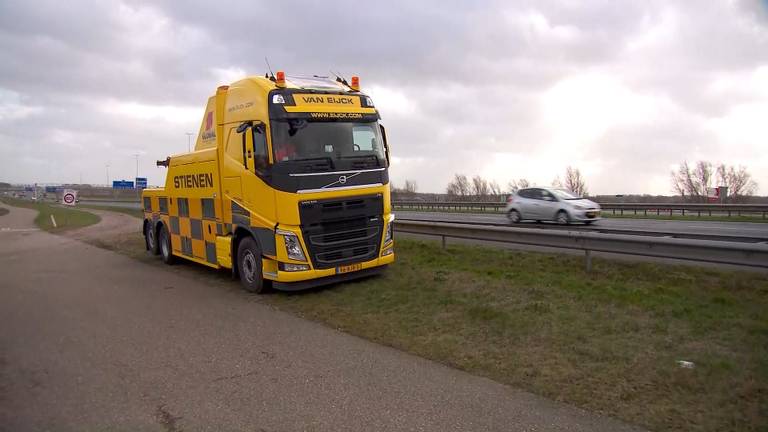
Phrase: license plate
(591, 214)
(348, 268)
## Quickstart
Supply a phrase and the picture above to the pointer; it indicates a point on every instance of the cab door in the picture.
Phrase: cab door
(548, 205)
(258, 196)
(529, 205)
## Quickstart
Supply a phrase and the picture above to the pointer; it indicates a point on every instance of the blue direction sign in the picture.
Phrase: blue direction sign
(122, 184)
(141, 182)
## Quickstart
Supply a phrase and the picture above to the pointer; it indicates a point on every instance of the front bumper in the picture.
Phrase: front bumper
(327, 280)
(281, 276)
(585, 215)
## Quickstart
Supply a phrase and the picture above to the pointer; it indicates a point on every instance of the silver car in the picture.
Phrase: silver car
(551, 204)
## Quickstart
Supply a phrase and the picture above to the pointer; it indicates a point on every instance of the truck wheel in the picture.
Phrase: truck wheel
(249, 266)
(165, 245)
(151, 239)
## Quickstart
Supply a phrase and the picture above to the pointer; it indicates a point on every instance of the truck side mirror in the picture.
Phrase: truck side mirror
(243, 127)
(384, 138)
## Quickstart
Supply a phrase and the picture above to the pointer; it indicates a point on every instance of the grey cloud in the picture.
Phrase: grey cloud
(477, 72)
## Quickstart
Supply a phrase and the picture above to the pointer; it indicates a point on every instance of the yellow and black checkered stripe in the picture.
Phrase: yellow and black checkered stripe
(192, 223)
(241, 217)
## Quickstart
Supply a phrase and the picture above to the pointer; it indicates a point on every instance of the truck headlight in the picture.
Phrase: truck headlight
(388, 230)
(292, 245)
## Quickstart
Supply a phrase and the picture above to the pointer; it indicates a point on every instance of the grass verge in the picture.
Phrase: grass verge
(757, 219)
(66, 218)
(139, 213)
(608, 341)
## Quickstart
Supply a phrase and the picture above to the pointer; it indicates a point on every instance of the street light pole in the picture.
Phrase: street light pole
(189, 140)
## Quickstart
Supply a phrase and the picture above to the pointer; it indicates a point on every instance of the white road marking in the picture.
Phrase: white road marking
(5, 229)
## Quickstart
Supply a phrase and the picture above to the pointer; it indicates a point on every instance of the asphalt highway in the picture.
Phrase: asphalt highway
(739, 229)
(94, 340)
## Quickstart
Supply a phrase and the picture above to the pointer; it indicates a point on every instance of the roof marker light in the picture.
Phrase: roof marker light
(280, 81)
(355, 83)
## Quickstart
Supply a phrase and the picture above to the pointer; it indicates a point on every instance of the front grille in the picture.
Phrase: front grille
(342, 231)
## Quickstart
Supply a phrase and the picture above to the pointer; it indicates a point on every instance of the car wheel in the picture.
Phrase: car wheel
(151, 239)
(562, 218)
(514, 216)
(165, 245)
(249, 266)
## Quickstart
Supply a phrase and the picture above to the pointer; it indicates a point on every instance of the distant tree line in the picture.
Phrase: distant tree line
(692, 182)
(408, 190)
(463, 188)
(689, 182)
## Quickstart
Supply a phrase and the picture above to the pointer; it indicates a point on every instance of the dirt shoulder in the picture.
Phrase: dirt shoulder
(112, 224)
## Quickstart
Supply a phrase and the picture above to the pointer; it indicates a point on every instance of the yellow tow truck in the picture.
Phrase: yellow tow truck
(287, 186)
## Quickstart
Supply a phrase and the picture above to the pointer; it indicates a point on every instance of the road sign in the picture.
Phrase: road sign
(141, 182)
(69, 197)
(122, 184)
(713, 195)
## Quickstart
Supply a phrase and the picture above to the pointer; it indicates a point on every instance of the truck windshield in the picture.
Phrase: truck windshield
(297, 140)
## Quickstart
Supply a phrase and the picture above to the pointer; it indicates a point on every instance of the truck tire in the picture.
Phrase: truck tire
(164, 241)
(150, 238)
(249, 266)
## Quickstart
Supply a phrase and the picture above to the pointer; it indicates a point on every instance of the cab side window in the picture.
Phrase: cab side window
(260, 154)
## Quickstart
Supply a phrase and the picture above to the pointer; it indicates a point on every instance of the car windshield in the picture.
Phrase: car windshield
(297, 140)
(564, 194)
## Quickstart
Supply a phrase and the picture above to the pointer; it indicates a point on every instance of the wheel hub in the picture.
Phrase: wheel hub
(249, 266)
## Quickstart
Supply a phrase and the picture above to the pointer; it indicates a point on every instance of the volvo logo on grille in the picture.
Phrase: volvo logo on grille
(342, 179)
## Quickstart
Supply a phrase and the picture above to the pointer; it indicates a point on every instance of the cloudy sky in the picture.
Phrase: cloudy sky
(508, 89)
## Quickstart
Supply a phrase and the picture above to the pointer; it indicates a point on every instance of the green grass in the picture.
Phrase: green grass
(734, 218)
(139, 213)
(66, 218)
(607, 342)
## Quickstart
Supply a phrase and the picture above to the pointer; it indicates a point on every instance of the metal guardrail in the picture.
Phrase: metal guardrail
(761, 238)
(615, 208)
(744, 254)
